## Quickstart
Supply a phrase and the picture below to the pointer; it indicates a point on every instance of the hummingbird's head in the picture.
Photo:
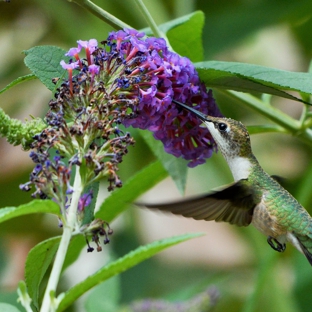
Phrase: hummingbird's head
(231, 136)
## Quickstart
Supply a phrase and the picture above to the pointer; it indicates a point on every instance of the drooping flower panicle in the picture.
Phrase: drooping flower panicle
(130, 80)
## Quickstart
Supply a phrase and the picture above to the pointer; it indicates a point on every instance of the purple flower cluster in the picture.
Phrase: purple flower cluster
(142, 74)
(149, 78)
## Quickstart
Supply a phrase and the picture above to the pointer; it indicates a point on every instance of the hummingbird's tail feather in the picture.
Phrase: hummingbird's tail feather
(305, 243)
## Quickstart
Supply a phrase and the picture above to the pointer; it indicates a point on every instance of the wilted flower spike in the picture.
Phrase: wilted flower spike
(96, 229)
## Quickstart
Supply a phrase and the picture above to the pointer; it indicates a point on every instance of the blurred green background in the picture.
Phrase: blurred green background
(250, 276)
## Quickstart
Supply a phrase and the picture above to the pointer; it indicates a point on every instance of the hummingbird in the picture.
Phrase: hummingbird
(254, 197)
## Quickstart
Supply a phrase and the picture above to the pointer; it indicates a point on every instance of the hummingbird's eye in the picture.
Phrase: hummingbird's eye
(222, 126)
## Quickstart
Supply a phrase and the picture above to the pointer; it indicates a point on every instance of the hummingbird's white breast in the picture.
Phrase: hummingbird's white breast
(240, 167)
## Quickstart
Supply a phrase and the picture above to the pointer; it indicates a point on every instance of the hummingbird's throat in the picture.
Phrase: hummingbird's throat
(240, 167)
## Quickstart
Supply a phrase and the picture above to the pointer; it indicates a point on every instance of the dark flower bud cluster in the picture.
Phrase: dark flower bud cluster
(95, 229)
(82, 128)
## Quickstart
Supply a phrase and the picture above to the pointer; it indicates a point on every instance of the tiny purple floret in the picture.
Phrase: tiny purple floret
(91, 45)
(70, 66)
(73, 51)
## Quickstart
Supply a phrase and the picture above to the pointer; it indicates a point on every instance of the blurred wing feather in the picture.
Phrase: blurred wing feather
(233, 204)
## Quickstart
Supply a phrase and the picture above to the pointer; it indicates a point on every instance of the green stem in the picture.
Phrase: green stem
(102, 14)
(151, 23)
(304, 114)
(117, 23)
(69, 228)
(308, 122)
(291, 125)
(306, 136)
(265, 129)
(306, 117)
(149, 19)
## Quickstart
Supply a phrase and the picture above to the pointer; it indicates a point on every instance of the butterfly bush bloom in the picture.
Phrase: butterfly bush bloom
(148, 77)
(128, 79)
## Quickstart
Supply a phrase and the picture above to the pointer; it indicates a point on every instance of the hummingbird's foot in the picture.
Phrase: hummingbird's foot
(278, 247)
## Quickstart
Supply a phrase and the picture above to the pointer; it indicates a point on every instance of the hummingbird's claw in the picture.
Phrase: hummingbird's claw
(278, 247)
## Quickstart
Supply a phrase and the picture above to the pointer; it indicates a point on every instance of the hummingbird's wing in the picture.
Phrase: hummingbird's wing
(233, 204)
(305, 243)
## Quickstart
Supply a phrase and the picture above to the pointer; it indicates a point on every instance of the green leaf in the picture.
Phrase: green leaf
(5, 307)
(253, 78)
(18, 81)
(228, 23)
(131, 259)
(176, 167)
(10, 297)
(185, 35)
(36, 206)
(108, 303)
(44, 62)
(37, 264)
(41, 256)
(133, 188)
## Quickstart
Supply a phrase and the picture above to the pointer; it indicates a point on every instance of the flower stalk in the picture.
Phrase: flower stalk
(69, 227)
(101, 14)
(150, 21)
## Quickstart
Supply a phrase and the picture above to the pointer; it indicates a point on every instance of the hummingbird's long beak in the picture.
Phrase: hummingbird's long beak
(194, 111)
